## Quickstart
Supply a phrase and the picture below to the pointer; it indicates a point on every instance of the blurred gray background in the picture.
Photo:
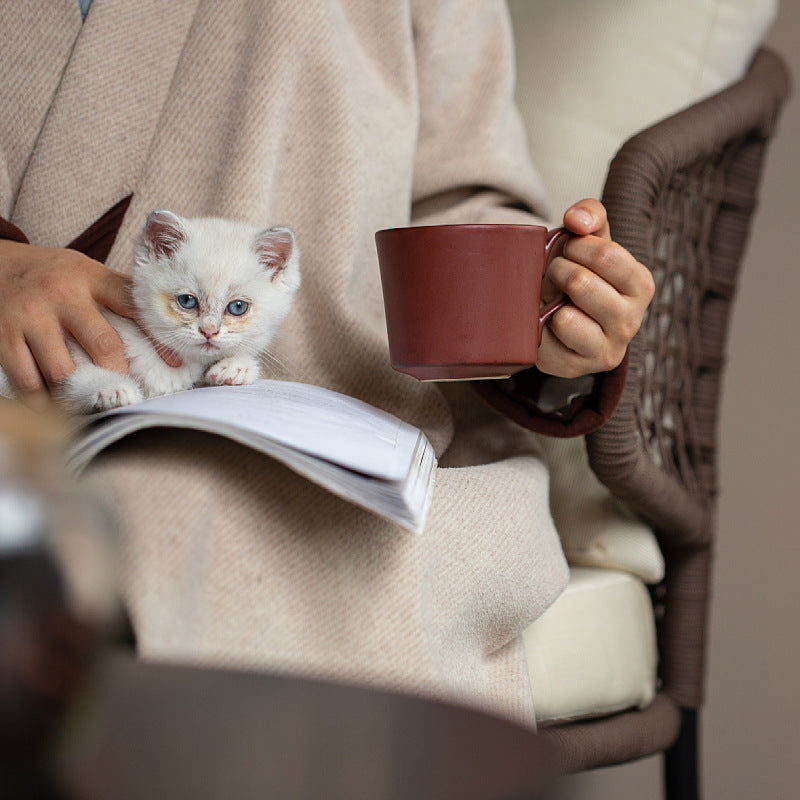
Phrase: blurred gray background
(750, 739)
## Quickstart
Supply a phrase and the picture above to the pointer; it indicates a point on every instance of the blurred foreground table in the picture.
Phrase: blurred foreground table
(156, 731)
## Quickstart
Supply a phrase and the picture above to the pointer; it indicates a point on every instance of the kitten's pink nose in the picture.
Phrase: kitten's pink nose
(209, 330)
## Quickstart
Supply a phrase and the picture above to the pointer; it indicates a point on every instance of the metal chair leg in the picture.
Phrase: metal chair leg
(681, 761)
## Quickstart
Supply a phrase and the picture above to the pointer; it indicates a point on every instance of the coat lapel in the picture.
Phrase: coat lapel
(31, 68)
(96, 136)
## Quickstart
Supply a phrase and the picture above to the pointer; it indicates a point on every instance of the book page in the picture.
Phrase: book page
(308, 418)
(354, 450)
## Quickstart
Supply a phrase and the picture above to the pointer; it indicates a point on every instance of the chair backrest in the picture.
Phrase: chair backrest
(680, 196)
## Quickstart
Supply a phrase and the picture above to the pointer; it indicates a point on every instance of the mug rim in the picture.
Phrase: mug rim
(465, 226)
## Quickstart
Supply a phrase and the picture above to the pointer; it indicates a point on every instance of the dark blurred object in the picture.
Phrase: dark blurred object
(187, 733)
(44, 655)
(46, 644)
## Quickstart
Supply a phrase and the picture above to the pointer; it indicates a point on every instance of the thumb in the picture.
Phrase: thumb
(587, 217)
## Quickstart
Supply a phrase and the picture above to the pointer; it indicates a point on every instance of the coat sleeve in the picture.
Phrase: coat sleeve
(472, 165)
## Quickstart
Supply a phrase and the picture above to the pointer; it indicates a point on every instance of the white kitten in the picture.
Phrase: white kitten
(211, 290)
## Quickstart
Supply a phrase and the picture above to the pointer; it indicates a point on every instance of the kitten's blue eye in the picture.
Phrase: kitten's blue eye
(237, 307)
(187, 301)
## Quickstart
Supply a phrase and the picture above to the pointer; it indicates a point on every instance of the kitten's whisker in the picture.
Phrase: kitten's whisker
(272, 361)
(272, 357)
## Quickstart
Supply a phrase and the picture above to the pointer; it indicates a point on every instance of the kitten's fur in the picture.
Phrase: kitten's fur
(207, 264)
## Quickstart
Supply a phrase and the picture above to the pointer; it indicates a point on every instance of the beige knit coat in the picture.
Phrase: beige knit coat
(337, 117)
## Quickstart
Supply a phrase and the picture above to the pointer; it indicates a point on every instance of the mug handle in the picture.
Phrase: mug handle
(554, 237)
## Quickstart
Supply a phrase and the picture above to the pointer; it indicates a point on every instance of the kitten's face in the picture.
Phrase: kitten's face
(207, 288)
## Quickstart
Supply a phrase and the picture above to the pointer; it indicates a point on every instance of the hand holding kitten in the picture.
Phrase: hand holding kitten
(204, 302)
(50, 294)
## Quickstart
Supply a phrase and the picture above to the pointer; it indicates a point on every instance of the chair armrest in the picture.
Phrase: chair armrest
(681, 196)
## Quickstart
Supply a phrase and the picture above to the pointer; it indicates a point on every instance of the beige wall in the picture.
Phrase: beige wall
(750, 725)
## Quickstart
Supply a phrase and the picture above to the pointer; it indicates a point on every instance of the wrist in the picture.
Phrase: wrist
(549, 395)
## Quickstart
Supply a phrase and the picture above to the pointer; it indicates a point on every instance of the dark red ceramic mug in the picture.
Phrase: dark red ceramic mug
(463, 301)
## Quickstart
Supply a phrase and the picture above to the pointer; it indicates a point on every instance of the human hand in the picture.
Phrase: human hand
(610, 291)
(49, 293)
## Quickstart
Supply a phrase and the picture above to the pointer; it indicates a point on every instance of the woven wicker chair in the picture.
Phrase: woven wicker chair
(680, 196)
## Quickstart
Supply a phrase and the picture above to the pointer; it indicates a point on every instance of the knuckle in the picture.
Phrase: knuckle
(612, 357)
(28, 383)
(66, 259)
(577, 282)
(608, 255)
(58, 374)
(626, 325)
(106, 344)
(564, 318)
(605, 360)
(611, 362)
(629, 328)
(57, 287)
(648, 284)
(69, 266)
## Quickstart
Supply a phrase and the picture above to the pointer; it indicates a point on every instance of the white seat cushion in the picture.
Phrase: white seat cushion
(596, 530)
(593, 652)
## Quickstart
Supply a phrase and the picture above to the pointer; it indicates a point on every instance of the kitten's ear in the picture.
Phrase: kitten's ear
(164, 233)
(276, 249)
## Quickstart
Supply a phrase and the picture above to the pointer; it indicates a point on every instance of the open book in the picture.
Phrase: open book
(353, 449)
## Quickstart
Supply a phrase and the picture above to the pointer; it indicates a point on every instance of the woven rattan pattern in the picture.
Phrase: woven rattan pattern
(680, 196)
(679, 371)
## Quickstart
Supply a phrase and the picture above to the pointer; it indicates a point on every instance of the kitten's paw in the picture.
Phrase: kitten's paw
(115, 397)
(168, 380)
(232, 372)
(90, 394)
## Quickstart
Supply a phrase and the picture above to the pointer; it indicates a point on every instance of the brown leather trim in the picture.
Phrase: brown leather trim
(586, 413)
(10, 231)
(96, 241)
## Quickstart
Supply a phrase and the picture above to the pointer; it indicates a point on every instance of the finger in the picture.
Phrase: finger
(588, 217)
(555, 358)
(113, 291)
(577, 331)
(47, 346)
(41, 401)
(20, 367)
(613, 263)
(573, 344)
(590, 293)
(97, 337)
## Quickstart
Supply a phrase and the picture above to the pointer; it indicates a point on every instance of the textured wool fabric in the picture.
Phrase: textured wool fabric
(338, 118)
(596, 529)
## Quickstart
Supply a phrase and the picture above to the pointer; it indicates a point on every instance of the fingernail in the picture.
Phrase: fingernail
(584, 217)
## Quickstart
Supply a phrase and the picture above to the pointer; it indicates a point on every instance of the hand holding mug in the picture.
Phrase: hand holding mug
(609, 289)
(466, 301)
